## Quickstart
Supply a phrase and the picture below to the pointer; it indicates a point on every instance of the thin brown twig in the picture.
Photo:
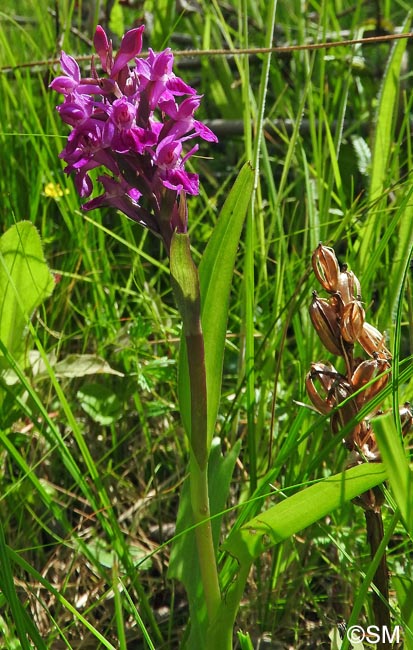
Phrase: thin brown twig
(283, 49)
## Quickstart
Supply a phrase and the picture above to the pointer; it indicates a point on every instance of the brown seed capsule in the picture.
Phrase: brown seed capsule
(374, 374)
(372, 342)
(348, 410)
(326, 375)
(352, 321)
(325, 267)
(348, 285)
(372, 499)
(367, 370)
(324, 319)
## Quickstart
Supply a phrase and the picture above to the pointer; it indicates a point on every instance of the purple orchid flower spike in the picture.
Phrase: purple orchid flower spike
(133, 123)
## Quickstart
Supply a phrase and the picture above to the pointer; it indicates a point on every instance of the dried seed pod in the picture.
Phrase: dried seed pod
(372, 372)
(337, 304)
(371, 500)
(347, 411)
(326, 375)
(325, 267)
(352, 321)
(364, 373)
(372, 342)
(362, 445)
(348, 285)
(324, 319)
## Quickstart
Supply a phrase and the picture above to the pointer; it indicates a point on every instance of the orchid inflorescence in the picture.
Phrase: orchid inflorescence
(340, 322)
(133, 122)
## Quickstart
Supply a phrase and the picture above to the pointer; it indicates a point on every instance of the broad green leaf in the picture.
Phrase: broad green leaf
(383, 139)
(215, 275)
(106, 556)
(399, 473)
(183, 564)
(73, 365)
(80, 365)
(100, 403)
(300, 510)
(25, 282)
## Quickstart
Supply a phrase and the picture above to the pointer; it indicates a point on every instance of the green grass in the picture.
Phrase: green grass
(91, 466)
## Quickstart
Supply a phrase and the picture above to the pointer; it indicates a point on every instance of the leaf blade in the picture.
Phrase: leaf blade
(25, 282)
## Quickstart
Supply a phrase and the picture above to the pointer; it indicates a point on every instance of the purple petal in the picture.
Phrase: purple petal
(178, 87)
(123, 114)
(102, 46)
(204, 131)
(69, 66)
(178, 180)
(83, 184)
(167, 153)
(74, 112)
(131, 46)
(63, 85)
(161, 64)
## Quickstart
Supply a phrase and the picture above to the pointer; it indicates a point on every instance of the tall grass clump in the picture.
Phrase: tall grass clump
(173, 473)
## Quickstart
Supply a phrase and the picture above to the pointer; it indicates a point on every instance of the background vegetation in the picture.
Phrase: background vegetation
(92, 451)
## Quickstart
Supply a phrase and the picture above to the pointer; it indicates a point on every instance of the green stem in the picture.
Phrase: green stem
(203, 535)
(185, 283)
(221, 632)
(199, 470)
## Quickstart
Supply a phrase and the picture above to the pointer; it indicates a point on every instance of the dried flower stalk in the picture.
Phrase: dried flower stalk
(340, 322)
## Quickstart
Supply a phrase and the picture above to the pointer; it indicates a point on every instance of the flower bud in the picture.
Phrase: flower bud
(372, 342)
(352, 321)
(324, 319)
(325, 267)
(348, 285)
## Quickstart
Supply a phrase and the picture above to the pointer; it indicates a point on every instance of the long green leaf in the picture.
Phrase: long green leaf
(398, 470)
(215, 275)
(280, 522)
(384, 132)
(300, 510)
